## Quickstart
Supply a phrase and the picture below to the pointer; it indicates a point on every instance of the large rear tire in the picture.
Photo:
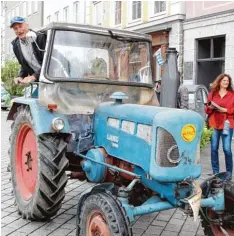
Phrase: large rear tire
(38, 167)
(212, 229)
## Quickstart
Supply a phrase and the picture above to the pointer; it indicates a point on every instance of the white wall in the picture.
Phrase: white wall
(213, 26)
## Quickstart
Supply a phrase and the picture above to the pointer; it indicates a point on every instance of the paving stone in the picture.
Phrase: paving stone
(156, 230)
(176, 221)
(18, 223)
(60, 232)
(4, 213)
(163, 217)
(7, 230)
(173, 227)
(169, 233)
(68, 226)
(187, 233)
(17, 233)
(200, 232)
(138, 231)
(31, 227)
(8, 219)
(157, 222)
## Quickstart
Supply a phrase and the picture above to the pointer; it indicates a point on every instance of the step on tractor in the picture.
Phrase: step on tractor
(95, 117)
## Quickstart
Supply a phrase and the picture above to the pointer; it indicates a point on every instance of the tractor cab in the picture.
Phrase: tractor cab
(83, 65)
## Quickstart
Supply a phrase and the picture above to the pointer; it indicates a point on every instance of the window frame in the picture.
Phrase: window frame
(115, 11)
(29, 8)
(152, 14)
(56, 16)
(95, 12)
(35, 9)
(130, 21)
(76, 8)
(17, 7)
(65, 9)
(24, 9)
(48, 19)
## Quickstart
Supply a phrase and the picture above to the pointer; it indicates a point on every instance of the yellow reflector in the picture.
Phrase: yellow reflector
(188, 133)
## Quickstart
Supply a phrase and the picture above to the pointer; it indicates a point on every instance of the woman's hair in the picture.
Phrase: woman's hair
(215, 86)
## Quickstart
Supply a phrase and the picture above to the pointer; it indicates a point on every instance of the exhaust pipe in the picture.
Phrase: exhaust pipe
(170, 80)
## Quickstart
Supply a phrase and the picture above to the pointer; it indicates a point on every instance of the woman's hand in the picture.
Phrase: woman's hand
(222, 109)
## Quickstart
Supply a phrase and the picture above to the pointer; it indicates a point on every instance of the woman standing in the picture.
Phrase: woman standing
(220, 116)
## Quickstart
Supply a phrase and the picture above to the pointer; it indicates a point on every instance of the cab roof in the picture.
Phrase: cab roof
(94, 29)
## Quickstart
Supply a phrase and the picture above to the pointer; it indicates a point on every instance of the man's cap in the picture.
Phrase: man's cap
(17, 19)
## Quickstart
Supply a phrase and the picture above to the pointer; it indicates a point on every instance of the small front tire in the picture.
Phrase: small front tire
(100, 214)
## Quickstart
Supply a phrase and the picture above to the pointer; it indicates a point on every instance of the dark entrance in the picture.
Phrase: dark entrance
(210, 59)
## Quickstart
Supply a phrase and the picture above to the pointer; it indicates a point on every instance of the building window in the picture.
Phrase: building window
(211, 48)
(98, 13)
(65, 14)
(136, 10)
(118, 5)
(76, 12)
(87, 12)
(56, 16)
(48, 19)
(159, 6)
(17, 11)
(29, 7)
(24, 9)
(35, 6)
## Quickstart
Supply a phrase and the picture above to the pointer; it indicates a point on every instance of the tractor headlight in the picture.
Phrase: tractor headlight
(58, 124)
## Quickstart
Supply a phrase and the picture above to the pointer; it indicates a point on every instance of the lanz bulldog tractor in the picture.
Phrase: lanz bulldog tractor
(97, 116)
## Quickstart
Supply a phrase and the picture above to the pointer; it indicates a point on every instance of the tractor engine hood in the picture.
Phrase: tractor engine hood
(156, 139)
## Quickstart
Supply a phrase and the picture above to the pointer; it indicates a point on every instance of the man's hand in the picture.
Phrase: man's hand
(18, 80)
(28, 79)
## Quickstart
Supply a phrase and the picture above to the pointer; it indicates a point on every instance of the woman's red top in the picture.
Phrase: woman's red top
(216, 118)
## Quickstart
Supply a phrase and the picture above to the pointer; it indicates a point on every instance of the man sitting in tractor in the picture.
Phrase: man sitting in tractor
(29, 51)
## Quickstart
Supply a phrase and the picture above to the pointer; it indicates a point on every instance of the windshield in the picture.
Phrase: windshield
(79, 56)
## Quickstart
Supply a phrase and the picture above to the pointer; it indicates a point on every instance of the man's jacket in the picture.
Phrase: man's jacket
(25, 68)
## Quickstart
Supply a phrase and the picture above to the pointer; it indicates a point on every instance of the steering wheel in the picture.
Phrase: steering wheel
(61, 67)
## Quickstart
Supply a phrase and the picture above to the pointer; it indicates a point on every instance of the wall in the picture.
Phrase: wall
(222, 24)
(203, 8)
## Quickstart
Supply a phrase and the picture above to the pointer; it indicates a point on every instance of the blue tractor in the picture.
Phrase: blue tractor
(97, 116)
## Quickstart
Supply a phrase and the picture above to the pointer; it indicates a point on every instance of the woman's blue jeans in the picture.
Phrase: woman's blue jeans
(226, 140)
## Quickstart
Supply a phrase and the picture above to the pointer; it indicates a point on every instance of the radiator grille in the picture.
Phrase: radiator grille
(167, 153)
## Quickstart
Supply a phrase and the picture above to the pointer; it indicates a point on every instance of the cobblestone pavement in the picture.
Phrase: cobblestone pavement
(170, 222)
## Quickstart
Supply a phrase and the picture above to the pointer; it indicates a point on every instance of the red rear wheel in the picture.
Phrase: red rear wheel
(38, 166)
(26, 161)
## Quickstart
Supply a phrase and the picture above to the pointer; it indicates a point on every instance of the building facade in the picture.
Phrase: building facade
(32, 11)
(208, 41)
(161, 19)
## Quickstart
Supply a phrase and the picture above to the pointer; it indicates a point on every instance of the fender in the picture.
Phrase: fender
(105, 187)
(42, 117)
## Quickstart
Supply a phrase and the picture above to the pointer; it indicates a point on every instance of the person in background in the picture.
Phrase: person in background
(220, 108)
(29, 53)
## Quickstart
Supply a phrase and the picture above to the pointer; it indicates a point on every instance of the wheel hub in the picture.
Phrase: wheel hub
(97, 226)
(26, 163)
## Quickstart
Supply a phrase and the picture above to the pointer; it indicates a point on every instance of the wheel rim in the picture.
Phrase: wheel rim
(96, 225)
(26, 161)
(216, 229)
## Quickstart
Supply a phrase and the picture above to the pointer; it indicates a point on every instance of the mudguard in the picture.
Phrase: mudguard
(105, 187)
(42, 117)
